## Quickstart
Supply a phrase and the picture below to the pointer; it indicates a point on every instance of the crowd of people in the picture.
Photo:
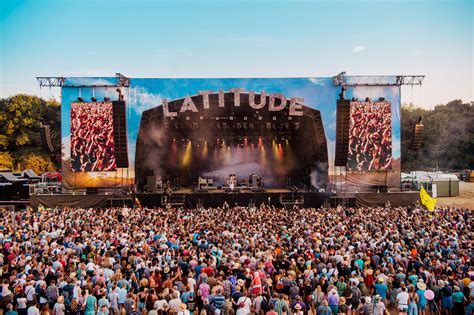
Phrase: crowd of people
(370, 136)
(92, 137)
(236, 260)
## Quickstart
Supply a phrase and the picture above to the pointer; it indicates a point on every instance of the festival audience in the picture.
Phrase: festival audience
(237, 261)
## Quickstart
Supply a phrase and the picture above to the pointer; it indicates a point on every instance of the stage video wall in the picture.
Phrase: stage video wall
(87, 126)
(92, 137)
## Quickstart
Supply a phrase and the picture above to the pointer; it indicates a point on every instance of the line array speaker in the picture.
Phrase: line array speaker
(342, 132)
(120, 134)
(46, 138)
(417, 137)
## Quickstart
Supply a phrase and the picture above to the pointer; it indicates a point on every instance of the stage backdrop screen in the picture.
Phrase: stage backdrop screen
(370, 136)
(190, 104)
(92, 137)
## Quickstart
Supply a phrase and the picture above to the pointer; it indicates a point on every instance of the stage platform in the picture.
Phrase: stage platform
(216, 198)
(239, 197)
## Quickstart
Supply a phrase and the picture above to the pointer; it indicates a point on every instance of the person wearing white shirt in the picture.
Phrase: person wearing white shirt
(33, 310)
(402, 300)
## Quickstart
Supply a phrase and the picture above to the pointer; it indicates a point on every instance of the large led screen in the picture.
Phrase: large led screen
(92, 137)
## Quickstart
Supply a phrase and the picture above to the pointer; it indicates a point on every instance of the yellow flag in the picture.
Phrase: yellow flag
(427, 200)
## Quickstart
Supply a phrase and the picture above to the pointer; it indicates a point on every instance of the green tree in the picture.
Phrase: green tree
(21, 118)
(448, 137)
(38, 163)
(6, 161)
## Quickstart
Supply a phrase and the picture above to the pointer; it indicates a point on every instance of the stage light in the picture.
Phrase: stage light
(188, 118)
(80, 99)
(231, 118)
(174, 139)
(93, 99)
(201, 117)
(259, 117)
(290, 118)
(274, 118)
(245, 117)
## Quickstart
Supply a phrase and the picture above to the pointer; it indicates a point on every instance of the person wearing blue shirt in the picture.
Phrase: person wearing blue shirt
(381, 288)
(422, 302)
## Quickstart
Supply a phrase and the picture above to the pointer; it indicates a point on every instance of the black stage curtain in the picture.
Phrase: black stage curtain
(82, 201)
(379, 199)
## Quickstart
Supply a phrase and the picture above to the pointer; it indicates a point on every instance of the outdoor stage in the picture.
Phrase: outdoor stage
(217, 197)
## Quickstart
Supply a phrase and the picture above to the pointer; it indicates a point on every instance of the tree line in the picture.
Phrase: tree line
(448, 138)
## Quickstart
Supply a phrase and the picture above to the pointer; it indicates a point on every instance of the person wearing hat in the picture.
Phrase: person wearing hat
(183, 310)
(379, 306)
(381, 288)
(297, 309)
(422, 302)
(333, 300)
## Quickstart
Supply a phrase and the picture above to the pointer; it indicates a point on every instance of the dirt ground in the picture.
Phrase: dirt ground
(464, 200)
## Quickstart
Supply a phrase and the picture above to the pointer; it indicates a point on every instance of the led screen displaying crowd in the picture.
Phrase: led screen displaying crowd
(92, 137)
(370, 136)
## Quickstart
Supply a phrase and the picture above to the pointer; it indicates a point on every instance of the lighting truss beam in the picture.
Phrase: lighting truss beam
(51, 81)
(120, 81)
(343, 80)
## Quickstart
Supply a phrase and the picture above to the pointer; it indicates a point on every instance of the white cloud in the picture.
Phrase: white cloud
(358, 49)
(317, 81)
(143, 100)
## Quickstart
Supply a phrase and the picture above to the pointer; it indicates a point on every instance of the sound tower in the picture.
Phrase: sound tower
(417, 135)
(342, 132)
(46, 138)
(120, 133)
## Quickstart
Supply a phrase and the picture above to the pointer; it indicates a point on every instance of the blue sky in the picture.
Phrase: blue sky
(239, 39)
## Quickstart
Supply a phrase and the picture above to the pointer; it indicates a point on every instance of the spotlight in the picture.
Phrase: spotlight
(80, 99)
(94, 99)
(274, 118)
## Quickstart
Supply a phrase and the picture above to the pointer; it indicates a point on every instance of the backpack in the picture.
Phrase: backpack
(356, 294)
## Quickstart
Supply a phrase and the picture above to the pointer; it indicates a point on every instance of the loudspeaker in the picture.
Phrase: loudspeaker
(417, 136)
(150, 184)
(342, 132)
(46, 138)
(120, 133)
